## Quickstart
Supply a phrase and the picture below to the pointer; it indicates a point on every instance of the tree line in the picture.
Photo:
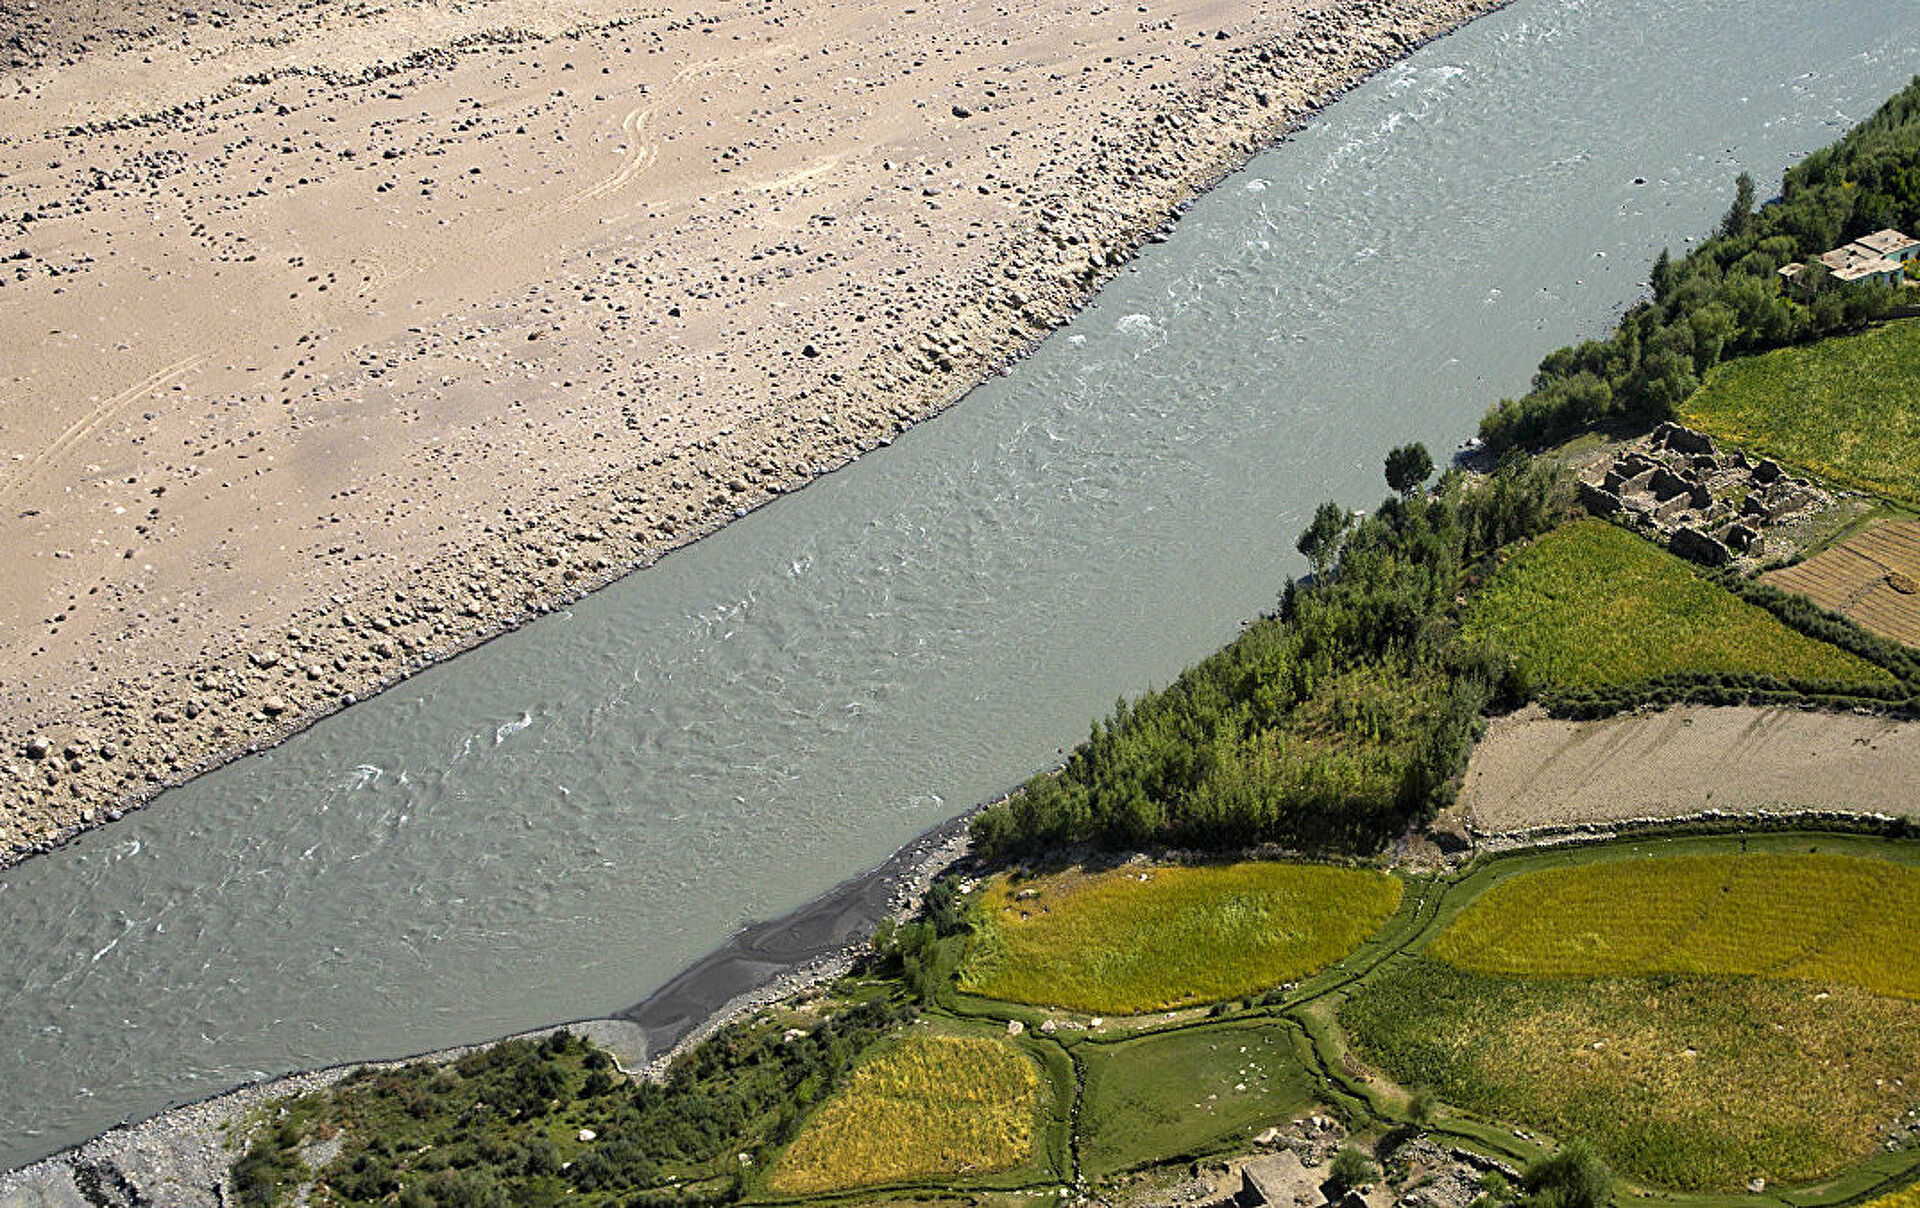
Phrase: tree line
(1725, 297)
(1329, 725)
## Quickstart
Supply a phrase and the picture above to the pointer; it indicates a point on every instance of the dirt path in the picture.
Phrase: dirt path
(1533, 771)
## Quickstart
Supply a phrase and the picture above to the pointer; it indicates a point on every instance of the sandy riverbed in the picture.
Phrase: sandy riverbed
(341, 337)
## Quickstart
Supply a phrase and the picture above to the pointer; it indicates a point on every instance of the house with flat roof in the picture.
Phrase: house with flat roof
(1856, 262)
(1890, 244)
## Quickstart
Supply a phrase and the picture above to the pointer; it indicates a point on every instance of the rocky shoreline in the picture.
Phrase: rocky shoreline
(181, 1155)
(75, 760)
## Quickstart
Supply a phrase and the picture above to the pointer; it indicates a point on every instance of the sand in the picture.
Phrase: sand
(341, 337)
(1532, 772)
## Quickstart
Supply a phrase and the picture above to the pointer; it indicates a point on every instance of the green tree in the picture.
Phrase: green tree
(1320, 540)
(1408, 468)
(1662, 276)
(1351, 1168)
(1739, 219)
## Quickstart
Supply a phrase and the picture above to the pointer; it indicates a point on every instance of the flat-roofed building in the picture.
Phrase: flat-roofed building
(1891, 245)
(1855, 262)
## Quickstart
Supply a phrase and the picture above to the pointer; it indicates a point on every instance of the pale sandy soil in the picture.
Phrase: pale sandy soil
(1533, 772)
(339, 336)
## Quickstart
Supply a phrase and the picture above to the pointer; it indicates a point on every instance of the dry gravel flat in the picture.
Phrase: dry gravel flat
(1532, 771)
(341, 336)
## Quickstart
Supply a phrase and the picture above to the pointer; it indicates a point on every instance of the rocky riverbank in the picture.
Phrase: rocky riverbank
(238, 519)
(181, 1156)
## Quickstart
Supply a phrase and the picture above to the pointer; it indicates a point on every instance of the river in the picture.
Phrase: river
(554, 825)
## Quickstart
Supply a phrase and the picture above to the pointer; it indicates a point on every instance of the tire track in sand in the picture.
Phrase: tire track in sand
(34, 472)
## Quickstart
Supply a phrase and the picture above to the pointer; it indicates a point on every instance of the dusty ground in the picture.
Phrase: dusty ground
(1532, 771)
(340, 336)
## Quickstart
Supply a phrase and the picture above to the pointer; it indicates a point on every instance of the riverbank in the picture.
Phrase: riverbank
(181, 1156)
(220, 556)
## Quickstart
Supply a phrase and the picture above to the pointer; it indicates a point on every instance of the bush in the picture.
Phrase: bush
(1572, 1178)
(1352, 1168)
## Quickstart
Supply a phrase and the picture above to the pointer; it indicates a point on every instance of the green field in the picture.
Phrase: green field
(1183, 1093)
(1846, 409)
(1822, 918)
(927, 1105)
(1694, 1083)
(1138, 939)
(1592, 606)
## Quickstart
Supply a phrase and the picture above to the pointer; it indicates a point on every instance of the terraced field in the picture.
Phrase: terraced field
(1691, 1083)
(1138, 939)
(1845, 408)
(1872, 579)
(1590, 606)
(927, 1105)
(1805, 916)
(1188, 1091)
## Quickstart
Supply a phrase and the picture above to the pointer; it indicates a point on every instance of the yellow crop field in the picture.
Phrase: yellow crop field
(1134, 939)
(928, 1105)
(1693, 1083)
(1805, 916)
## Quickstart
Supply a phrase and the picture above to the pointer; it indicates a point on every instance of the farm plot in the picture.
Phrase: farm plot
(1181, 1094)
(1807, 916)
(1591, 607)
(1845, 408)
(1705, 1017)
(1693, 1083)
(1872, 579)
(1138, 939)
(926, 1106)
